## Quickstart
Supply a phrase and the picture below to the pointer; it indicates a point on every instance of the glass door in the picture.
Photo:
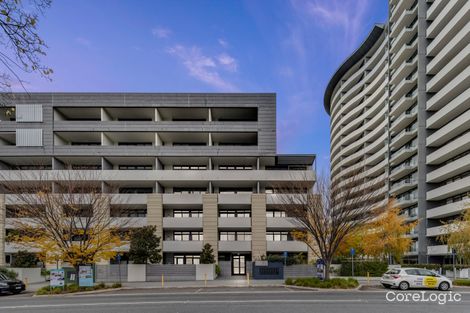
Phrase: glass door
(238, 265)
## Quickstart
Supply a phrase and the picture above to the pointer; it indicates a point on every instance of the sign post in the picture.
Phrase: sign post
(285, 258)
(353, 251)
(453, 263)
(118, 258)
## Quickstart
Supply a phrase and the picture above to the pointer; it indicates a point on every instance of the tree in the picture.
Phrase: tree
(145, 245)
(63, 215)
(24, 259)
(22, 47)
(207, 255)
(330, 212)
(456, 234)
(386, 237)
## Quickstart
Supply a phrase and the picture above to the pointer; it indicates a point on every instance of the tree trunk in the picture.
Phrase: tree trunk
(327, 269)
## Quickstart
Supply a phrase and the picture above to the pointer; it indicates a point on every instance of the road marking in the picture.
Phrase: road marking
(185, 293)
(69, 305)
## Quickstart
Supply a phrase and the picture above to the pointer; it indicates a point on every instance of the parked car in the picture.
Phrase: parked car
(10, 285)
(406, 277)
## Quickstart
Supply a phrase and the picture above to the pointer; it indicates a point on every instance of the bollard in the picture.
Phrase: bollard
(248, 279)
(163, 281)
(205, 279)
(26, 282)
(368, 278)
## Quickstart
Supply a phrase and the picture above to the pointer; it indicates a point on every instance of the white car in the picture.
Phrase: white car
(405, 278)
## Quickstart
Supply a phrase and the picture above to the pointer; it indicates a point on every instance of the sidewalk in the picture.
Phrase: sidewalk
(201, 284)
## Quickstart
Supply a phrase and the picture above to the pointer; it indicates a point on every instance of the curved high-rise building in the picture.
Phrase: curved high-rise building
(400, 113)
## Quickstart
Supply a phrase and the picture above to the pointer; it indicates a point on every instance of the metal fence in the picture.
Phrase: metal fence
(171, 272)
(111, 272)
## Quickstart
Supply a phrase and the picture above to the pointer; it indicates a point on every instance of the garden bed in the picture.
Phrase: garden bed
(72, 288)
(313, 282)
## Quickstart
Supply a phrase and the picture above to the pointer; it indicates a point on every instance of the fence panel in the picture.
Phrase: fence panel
(110, 273)
(171, 272)
(300, 270)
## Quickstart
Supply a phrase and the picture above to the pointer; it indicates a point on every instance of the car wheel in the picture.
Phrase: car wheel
(404, 285)
(444, 286)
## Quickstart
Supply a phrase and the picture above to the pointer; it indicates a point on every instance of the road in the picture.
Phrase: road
(226, 300)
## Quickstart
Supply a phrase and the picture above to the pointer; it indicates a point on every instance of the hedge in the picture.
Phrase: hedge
(462, 282)
(9, 273)
(336, 283)
(361, 268)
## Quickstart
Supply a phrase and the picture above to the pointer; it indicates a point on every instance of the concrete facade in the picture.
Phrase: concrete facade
(199, 167)
(405, 118)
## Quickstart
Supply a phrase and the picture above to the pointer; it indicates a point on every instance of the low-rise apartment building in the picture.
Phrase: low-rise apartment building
(202, 168)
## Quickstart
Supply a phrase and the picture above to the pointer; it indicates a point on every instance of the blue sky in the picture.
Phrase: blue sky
(288, 47)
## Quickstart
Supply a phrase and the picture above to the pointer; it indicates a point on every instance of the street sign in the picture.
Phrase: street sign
(85, 276)
(118, 258)
(57, 278)
(285, 254)
(353, 251)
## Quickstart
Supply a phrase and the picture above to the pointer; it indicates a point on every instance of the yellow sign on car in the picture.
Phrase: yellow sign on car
(430, 282)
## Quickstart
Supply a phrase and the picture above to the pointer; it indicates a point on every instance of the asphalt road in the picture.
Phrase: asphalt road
(227, 300)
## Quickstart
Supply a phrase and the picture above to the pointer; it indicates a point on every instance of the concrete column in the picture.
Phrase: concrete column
(2, 230)
(210, 221)
(155, 213)
(258, 226)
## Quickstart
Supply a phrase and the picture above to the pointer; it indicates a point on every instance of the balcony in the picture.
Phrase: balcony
(404, 70)
(234, 222)
(281, 223)
(406, 35)
(404, 153)
(235, 246)
(449, 190)
(403, 186)
(289, 246)
(404, 86)
(403, 137)
(182, 246)
(447, 210)
(397, 10)
(407, 201)
(405, 19)
(435, 231)
(438, 250)
(185, 223)
(402, 170)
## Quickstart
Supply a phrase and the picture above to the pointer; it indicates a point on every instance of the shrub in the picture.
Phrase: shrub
(72, 288)
(24, 259)
(217, 269)
(116, 285)
(207, 254)
(45, 272)
(462, 282)
(313, 282)
(361, 268)
(430, 266)
(9, 273)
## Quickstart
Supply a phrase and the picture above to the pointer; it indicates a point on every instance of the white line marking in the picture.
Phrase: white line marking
(68, 305)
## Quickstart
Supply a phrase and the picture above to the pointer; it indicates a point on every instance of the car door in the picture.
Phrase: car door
(430, 279)
(413, 278)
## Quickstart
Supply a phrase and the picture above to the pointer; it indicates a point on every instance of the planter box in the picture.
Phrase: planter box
(136, 272)
(205, 271)
(29, 275)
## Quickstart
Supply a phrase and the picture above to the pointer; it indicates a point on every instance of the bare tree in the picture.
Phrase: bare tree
(22, 47)
(64, 215)
(327, 213)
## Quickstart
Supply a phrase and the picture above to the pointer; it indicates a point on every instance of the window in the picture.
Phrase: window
(234, 213)
(278, 236)
(235, 167)
(234, 236)
(275, 213)
(187, 213)
(189, 190)
(135, 167)
(189, 167)
(188, 236)
(186, 259)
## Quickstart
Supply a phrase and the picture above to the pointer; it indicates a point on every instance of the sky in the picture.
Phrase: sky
(291, 48)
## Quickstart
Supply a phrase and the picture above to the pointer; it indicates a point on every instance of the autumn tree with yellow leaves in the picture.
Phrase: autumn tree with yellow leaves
(457, 236)
(386, 236)
(63, 215)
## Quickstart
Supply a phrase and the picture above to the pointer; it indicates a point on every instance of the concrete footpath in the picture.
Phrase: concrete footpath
(241, 282)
